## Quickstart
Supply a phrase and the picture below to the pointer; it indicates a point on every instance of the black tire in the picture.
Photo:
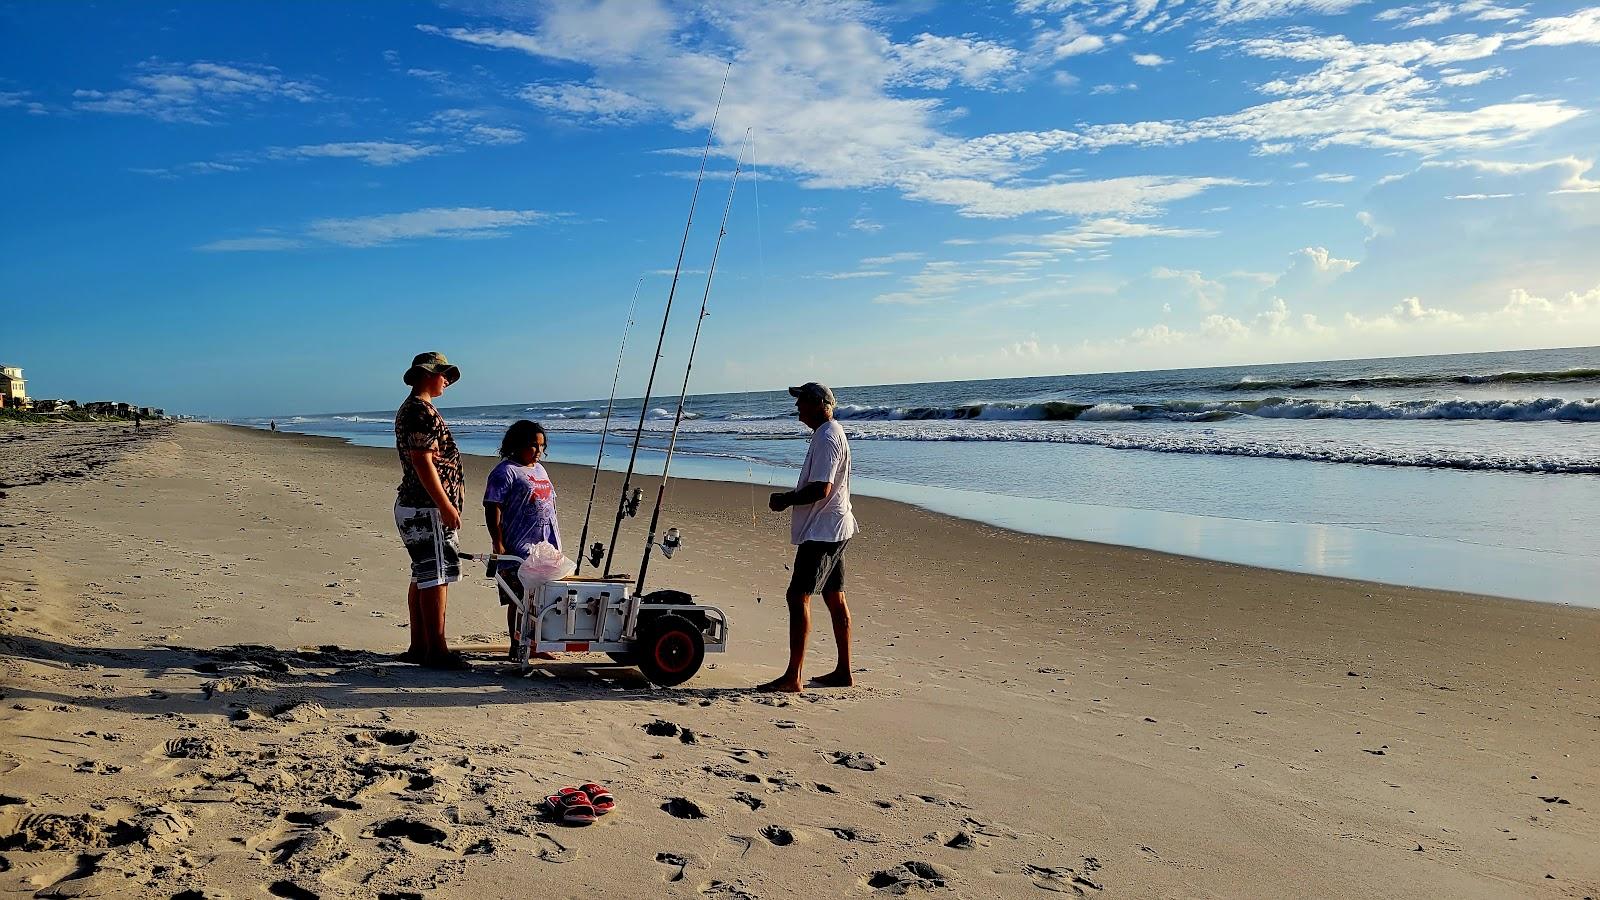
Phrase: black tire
(671, 649)
(668, 598)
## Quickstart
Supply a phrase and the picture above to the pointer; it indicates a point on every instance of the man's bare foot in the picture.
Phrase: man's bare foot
(783, 685)
(836, 678)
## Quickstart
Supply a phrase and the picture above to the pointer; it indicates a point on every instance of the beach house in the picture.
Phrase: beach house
(13, 389)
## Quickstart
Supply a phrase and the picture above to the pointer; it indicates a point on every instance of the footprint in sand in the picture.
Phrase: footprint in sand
(852, 833)
(859, 761)
(912, 875)
(550, 850)
(750, 800)
(683, 808)
(678, 861)
(778, 836)
(960, 840)
(727, 890)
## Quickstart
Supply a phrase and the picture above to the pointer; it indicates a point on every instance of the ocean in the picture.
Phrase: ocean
(1476, 472)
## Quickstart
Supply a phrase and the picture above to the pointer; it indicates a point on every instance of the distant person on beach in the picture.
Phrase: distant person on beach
(519, 506)
(138, 420)
(274, 424)
(820, 526)
(427, 508)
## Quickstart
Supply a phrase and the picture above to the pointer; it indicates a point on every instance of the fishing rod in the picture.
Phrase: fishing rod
(671, 541)
(605, 428)
(629, 506)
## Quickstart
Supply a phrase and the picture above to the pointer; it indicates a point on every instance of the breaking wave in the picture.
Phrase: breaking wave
(1250, 383)
(1500, 410)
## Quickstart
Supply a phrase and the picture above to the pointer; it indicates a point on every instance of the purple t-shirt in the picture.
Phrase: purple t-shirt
(527, 502)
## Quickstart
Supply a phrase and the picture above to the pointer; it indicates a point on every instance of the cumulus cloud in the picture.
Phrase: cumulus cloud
(1149, 59)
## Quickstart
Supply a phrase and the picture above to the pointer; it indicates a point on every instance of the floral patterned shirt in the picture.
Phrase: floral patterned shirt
(418, 426)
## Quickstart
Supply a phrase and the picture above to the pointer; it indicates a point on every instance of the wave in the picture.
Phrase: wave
(1252, 383)
(1202, 411)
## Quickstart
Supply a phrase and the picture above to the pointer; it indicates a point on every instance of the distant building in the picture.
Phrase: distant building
(49, 406)
(13, 389)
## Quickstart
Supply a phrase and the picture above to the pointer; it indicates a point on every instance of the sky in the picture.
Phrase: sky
(265, 208)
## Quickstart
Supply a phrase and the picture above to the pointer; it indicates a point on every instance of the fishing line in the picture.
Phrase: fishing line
(605, 430)
(683, 393)
(626, 506)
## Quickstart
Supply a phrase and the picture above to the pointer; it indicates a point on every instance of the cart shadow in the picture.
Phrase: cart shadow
(338, 678)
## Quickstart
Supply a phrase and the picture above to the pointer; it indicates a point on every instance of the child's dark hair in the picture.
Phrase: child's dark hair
(520, 436)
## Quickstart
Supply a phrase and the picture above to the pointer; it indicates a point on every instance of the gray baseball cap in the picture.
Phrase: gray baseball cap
(816, 393)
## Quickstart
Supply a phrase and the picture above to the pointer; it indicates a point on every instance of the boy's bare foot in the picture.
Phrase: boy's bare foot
(836, 678)
(782, 685)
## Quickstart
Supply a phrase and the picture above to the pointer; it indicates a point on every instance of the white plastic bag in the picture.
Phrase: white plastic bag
(544, 564)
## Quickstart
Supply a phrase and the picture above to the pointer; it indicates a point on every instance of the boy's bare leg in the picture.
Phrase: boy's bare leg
(431, 603)
(799, 630)
(414, 610)
(840, 612)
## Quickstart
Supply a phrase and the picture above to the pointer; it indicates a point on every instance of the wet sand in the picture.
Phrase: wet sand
(198, 697)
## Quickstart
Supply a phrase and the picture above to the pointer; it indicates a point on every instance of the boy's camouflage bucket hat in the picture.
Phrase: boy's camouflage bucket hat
(431, 364)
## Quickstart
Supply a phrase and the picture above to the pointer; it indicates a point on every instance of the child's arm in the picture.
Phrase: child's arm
(491, 518)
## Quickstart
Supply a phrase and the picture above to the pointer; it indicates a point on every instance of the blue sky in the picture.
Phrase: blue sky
(267, 208)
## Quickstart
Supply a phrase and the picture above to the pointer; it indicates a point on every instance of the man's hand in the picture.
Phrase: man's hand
(450, 517)
(778, 502)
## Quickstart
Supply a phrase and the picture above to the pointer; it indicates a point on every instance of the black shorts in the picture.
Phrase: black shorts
(818, 568)
(510, 575)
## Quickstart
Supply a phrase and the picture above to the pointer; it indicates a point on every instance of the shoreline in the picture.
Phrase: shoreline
(207, 690)
(1363, 555)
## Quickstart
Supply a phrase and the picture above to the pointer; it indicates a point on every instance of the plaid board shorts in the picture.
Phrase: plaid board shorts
(435, 555)
(818, 567)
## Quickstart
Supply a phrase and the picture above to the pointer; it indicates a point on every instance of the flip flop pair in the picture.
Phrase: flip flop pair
(580, 805)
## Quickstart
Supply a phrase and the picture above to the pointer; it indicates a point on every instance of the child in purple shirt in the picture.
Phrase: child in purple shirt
(519, 504)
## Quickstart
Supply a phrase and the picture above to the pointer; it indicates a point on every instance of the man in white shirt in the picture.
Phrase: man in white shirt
(820, 526)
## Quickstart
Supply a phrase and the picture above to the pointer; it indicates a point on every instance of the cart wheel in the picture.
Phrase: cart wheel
(671, 650)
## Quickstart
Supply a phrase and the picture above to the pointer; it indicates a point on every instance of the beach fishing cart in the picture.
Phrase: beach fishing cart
(665, 633)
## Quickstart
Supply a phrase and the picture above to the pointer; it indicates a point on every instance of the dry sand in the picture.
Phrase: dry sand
(198, 703)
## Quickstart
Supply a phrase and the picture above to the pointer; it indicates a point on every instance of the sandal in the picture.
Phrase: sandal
(574, 808)
(602, 799)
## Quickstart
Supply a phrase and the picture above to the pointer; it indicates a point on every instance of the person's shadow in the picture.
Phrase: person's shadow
(269, 679)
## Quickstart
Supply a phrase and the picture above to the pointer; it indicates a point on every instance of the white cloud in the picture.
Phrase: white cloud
(1079, 45)
(1132, 195)
(1467, 79)
(1149, 59)
(373, 153)
(933, 61)
(460, 222)
(251, 244)
(1335, 177)
(587, 102)
(862, 223)
(193, 168)
(196, 92)
(892, 258)
(1096, 234)
(1582, 27)
(859, 273)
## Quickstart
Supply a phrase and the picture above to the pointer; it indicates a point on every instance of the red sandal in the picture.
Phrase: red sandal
(601, 798)
(573, 808)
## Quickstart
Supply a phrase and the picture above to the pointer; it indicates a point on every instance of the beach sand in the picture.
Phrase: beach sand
(198, 698)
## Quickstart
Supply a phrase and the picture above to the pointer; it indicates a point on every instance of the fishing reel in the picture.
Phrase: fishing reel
(670, 542)
(597, 552)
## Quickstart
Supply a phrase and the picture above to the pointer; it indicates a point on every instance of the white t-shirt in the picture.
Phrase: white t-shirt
(828, 459)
